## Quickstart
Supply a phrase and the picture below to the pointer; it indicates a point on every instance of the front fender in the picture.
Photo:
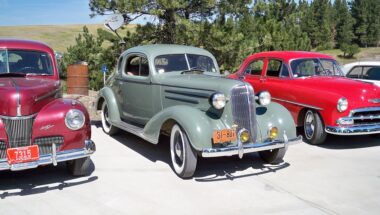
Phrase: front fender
(198, 126)
(275, 115)
(107, 94)
(50, 122)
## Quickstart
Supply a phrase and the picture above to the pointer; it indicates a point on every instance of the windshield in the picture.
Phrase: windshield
(315, 67)
(183, 62)
(25, 62)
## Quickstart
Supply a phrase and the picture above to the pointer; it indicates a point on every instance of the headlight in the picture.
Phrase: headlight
(218, 100)
(74, 119)
(342, 104)
(264, 98)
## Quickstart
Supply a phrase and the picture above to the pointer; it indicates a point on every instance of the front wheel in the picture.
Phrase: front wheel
(183, 156)
(79, 167)
(106, 125)
(313, 127)
(274, 156)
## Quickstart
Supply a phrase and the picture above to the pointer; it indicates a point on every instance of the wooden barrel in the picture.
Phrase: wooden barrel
(77, 79)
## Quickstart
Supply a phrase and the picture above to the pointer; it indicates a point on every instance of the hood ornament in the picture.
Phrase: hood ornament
(374, 101)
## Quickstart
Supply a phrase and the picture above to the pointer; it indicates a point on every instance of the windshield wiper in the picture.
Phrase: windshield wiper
(194, 70)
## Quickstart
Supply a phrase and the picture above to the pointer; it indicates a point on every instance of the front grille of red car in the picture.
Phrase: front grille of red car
(19, 130)
(243, 109)
(3, 150)
(366, 116)
(45, 144)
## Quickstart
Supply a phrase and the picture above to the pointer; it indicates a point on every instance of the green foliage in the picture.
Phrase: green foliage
(349, 50)
(232, 29)
(88, 48)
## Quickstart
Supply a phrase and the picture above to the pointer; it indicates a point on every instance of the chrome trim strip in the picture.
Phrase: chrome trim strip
(18, 110)
(18, 117)
(250, 147)
(367, 109)
(46, 95)
(62, 156)
(354, 130)
(296, 103)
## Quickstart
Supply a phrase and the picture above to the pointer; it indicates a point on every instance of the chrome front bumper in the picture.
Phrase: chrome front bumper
(354, 129)
(53, 158)
(241, 149)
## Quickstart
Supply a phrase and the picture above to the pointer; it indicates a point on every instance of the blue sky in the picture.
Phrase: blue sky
(45, 12)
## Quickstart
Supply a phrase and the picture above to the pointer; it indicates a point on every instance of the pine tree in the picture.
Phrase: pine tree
(343, 23)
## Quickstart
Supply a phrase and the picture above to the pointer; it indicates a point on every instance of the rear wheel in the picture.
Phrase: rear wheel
(106, 125)
(273, 156)
(183, 156)
(79, 167)
(313, 127)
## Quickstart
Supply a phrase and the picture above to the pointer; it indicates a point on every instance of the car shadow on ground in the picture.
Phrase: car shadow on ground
(210, 169)
(39, 180)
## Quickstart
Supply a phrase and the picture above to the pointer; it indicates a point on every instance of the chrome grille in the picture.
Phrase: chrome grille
(366, 116)
(45, 144)
(3, 149)
(243, 109)
(19, 130)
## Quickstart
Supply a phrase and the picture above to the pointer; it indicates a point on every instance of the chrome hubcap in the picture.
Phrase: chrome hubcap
(309, 125)
(178, 149)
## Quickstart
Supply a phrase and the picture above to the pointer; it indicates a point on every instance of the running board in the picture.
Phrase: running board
(134, 130)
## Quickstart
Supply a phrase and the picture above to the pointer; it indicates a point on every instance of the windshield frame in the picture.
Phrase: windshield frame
(319, 61)
(189, 68)
(51, 63)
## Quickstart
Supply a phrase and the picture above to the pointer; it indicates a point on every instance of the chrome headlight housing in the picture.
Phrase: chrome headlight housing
(342, 104)
(74, 119)
(218, 100)
(264, 98)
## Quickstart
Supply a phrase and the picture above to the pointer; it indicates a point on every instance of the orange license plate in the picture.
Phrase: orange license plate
(23, 154)
(223, 136)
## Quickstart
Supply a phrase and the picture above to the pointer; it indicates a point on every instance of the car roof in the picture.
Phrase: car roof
(160, 49)
(289, 55)
(363, 63)
(23, 44)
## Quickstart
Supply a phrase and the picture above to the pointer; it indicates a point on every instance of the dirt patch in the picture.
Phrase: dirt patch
(88, 102)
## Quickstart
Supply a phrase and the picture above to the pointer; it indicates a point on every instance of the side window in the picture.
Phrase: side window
(284, 71)
(136, 66)
(274, 68)
(356, 72)
(255, 67)
(373, 73)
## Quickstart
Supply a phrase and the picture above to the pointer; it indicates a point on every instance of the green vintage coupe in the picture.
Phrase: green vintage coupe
(178, 91)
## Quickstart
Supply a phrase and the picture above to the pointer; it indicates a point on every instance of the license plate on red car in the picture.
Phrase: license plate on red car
(222, 136)
(22, 154)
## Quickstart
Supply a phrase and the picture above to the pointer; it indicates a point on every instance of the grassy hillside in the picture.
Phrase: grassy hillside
(59, 37)
(364, 54)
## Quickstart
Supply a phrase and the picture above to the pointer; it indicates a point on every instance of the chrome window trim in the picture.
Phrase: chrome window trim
(297, 103)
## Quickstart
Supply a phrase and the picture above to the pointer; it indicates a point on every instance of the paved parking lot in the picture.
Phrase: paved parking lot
(134, 177)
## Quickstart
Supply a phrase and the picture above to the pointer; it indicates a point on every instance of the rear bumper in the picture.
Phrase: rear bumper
(354, 129)
(249, 148)
(53, 158)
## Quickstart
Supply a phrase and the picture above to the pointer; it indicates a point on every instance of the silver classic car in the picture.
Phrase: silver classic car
(178, 91)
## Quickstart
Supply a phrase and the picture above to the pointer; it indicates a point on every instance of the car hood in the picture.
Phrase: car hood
(22, 96)
(355, 91)
(206, 82)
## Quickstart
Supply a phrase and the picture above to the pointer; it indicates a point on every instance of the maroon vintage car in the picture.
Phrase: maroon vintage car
(37, 126)
(312, 87)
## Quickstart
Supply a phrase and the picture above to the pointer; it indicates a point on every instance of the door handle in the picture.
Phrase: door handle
(262, 80)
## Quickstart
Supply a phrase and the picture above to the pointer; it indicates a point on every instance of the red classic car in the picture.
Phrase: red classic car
(312, 87)
(37, 126)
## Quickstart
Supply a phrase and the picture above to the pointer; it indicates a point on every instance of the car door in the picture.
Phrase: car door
(253, 73)
(135, 90)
